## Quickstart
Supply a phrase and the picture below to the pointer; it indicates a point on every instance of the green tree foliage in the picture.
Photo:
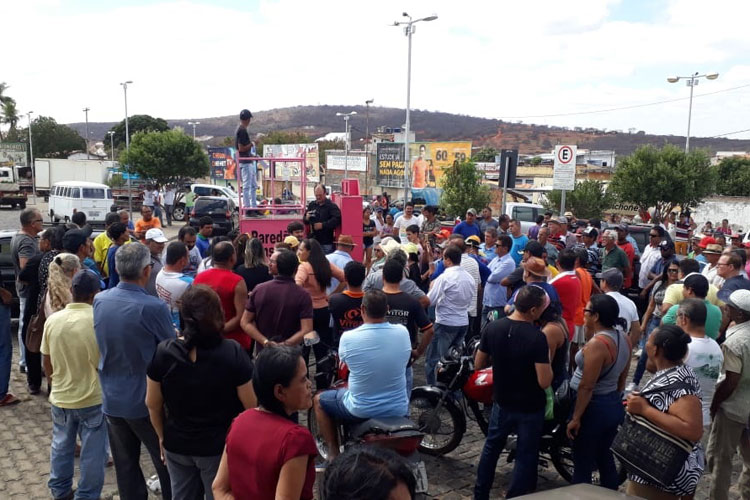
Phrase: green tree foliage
(136, 123)
(463, 189)
(8, 114)
(664, 178)
(486, 154)
(589, 199)
(734, 176)
(165, 157)
(324, 146)
(537, 160)
(51, 139)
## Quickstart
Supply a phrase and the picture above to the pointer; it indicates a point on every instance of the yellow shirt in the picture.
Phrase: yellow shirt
(70, 343)
(673, 295)
(101, 245)
(552, 271)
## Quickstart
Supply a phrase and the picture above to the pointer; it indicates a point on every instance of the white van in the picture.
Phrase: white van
(69, 197)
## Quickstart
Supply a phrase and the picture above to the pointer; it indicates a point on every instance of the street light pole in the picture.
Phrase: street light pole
(127, 147)
(346, 140)
(691, 82)
(112, 146)
(31, 159)
(408, 31)
(88, 148)
(367, 145)
(194, 124)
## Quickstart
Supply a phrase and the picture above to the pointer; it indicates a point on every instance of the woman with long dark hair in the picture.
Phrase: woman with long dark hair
(267, 454)
(597, 384)
(203, 381)
(314, 275)
(254, 268)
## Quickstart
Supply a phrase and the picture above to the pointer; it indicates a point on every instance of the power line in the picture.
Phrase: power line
(634, 106)
(730, 133)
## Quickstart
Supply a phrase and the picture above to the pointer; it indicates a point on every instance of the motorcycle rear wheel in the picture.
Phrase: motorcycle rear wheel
(320, 443)
(441, 426)
(562, 459)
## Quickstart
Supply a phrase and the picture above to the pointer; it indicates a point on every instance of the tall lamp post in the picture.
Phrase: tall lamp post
(112, 146)
(346, 140)
(31, 159)
(194, 124)
(367, 144)
(88, 148)
(127, 146)
(409, 31)
(691, 82)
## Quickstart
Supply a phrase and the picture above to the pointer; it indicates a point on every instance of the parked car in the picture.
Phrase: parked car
(222, 210)
(179, 213)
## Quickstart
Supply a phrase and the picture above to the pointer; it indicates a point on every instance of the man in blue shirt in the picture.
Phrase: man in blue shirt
(519, 241)
(205, 230)
(129, 323)
(468, 227)
(496, 295)
(377, 354)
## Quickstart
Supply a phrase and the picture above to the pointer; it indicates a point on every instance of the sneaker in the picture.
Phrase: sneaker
(9, 399)
(631, 387)
(154, 484)
(320, 465)
(638, 353)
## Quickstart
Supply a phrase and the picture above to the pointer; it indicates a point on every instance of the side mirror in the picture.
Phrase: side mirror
(311, 338)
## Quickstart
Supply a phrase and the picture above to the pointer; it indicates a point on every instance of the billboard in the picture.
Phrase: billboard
(338, 160)
(309, 151)
(428, 160)
(222, 163)
(13, 154)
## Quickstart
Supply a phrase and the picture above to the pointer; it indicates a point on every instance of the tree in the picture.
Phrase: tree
(136, 123)
(10, 117)
(165, 157)
(734, 176)
(486, 154)
(588, 200)
(463, 188)
(52, 140)
(537, 160)
(664, 178)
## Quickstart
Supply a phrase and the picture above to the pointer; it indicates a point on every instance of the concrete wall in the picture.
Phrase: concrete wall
(734, 208)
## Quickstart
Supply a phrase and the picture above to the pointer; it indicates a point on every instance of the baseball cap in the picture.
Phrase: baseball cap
(535, 266)
(156, 234)
(612, 277)
(292, 241)
(444, 234)
(471, 211)
(74, 238)
(86, 282)
(473, 239)
(534, 248)
(245, 114)
(410, 248)
(591, 232)
(562, 220)
(707, 240)
(739, 299)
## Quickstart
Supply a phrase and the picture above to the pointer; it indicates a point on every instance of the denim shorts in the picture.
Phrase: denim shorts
(332, 403)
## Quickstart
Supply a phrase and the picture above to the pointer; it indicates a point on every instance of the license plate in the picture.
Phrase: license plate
(94, 214)
(420, 474)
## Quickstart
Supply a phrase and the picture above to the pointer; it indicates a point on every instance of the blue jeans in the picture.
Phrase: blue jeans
(445, 337)
(528, 428)
(249, 184)
(641, 367)
(66, 424)
(6, 349)
(599, 423)
(21, 345)
(409, 381)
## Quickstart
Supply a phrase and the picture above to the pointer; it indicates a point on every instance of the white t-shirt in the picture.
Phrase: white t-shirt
(471, 267)
(148, 198)
(402, 223)
(705, 358)
(170, 287)
(628, 310)
(169, 195)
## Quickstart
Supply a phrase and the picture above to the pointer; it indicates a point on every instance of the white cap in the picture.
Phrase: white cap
(740, 299)
(156, 235)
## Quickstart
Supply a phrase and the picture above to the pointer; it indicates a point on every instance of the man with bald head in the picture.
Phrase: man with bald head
(323, 217)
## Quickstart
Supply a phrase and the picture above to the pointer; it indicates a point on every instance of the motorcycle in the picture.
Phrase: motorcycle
(441, 412)
(399, 434)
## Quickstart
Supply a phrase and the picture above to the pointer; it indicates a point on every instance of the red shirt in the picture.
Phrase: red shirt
(627, 247)
(568, 287)
(258, 445)
(223, 282)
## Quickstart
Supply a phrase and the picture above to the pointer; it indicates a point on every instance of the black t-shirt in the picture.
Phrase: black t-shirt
(346, 312)
(403, 309)
(368, 240)
(242, 138)
(201, 397)
(515, 347)
(253, 276)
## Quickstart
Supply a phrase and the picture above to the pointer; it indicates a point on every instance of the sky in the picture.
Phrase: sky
(565, 63)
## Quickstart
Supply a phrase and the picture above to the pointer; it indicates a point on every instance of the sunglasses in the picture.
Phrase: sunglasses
(654, 235)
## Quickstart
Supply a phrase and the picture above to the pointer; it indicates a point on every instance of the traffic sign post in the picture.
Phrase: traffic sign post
(564, 177)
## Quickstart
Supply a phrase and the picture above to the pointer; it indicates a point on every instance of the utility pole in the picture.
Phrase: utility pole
(367, 145)
(31, 159)
(88, 148)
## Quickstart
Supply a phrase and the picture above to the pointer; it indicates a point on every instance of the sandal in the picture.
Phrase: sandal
(9, 399)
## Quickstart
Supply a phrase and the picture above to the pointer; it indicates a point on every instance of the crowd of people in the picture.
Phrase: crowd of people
(194, 348)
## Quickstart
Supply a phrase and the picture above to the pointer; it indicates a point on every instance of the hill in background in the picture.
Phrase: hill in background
(316, 121)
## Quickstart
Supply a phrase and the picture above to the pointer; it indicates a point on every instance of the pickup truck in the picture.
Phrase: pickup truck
(10, 192)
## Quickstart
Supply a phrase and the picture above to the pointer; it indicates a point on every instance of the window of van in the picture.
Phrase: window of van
(93, 193)
(66, 191)
(525, 214)
(75, 192)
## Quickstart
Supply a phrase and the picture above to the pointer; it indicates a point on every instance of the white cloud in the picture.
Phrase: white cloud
(493, 59)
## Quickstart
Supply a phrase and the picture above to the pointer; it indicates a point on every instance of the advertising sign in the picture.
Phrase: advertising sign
(309, 151)
(222, 163)
(13, 154)
(428, 160)
(564, 176)
(336, 160)
(389, 168)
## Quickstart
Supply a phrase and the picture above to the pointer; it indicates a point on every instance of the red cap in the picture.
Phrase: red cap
(444, 233)
(707, 240)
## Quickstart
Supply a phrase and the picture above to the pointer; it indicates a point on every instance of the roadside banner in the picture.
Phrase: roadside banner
(308, 151)
(428, 161)
(13, 154)
(222, 163)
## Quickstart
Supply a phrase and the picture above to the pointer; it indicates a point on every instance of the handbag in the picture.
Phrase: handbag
(648, 450)
(35, 330)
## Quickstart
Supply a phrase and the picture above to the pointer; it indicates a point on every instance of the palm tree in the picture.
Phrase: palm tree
(10, 116)
(3, 100)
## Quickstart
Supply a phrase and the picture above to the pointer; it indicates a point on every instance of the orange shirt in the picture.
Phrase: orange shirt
(419, 172)
(306, 279)
(142, 225)
(586, 285)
